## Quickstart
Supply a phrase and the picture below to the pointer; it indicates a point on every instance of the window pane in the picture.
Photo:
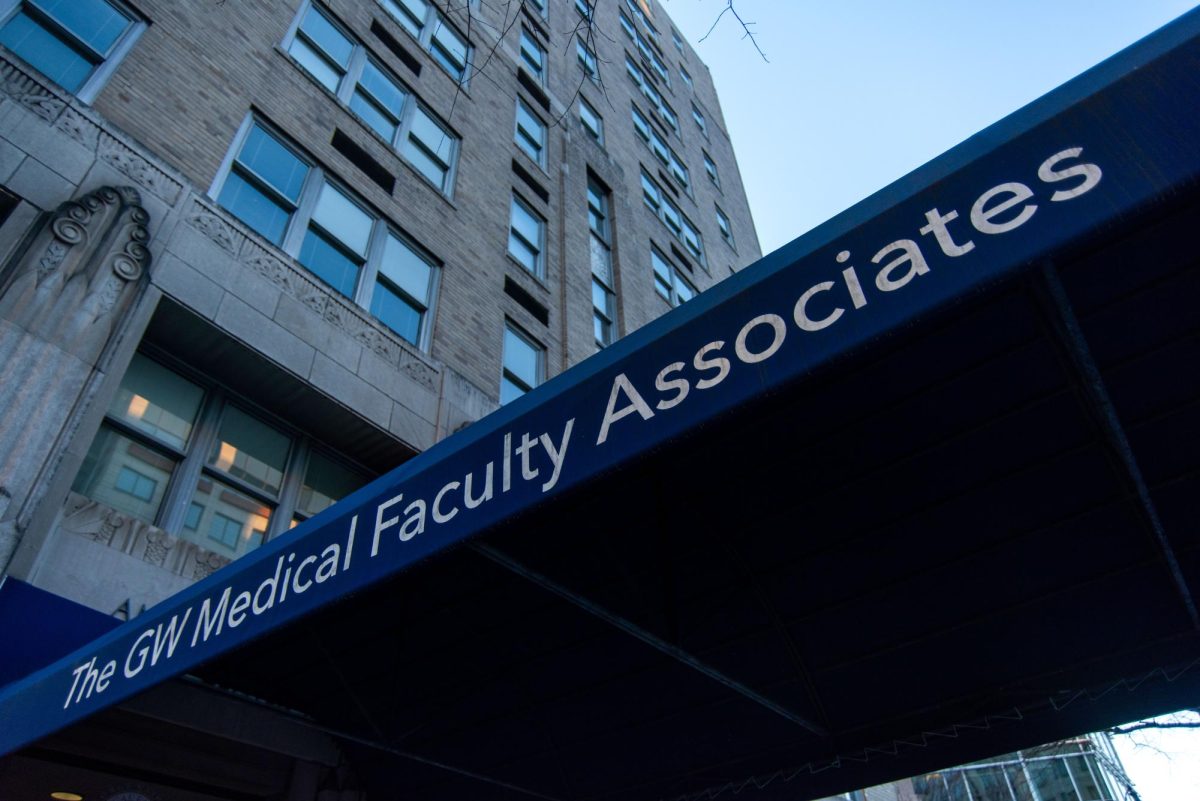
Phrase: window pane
(448, 48)
(1051, 779)
(227, 520)
(396, 312)
(383, 89)
(509, 390)
(329, 263)
(429, 133)
(531, 53)
(341, 217)
(531, 134)
(253, 207)
(522, 252)
(124, 474)
(525, 224)
(374, 116)
(327, 37)
(274, 163)
(406, 269)
(683, 290)
(987, 784)
(409, 13)
(157, 401)
(1083, 779)
(601, 263)
(520, 358)
(46, 52)
(95, 22)
(316, 64)
(250, 450)
(325, 483)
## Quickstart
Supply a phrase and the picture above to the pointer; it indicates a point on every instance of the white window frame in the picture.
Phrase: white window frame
(668, 212)
(725, 226)
(539, 351)
(596, 132)
(700, 120)
(426, 34)
(349, 83)
(534, 49)
(672, 294)
(710, 167)
(106, 64)
(586, 58)
(653, 95)
(530, 140)
(300, 221)
(662, 151)
(600, 256)
(538, 248)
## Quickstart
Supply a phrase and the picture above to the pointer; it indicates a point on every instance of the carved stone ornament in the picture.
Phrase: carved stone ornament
(77, 279)
(29, 92)
(94, 521)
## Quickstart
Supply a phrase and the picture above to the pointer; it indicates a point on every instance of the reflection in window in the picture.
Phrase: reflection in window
(522, 365)
(163, 430)
(71, 41)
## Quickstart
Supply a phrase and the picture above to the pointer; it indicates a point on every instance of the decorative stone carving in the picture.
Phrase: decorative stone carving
(79, 128)
(79, 275)
(29, 92)
(213, 227)
(142, 172)
(86, 518)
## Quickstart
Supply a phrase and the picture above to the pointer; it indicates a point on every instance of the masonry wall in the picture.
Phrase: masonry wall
(164, 125)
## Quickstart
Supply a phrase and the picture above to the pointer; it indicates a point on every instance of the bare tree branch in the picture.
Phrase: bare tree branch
(746, 32)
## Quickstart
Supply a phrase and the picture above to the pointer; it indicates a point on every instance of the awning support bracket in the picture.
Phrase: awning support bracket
(1057, 306)
(636, 631)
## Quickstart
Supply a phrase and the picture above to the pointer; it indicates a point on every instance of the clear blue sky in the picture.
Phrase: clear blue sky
(857, 93)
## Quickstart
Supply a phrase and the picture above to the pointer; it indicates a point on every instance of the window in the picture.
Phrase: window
(668, 282)
(603, 293)
(587, 59)
(530, 133)
(264, 183)
(635, 8)
(592, 122)
(666, 210)
(677, 40)
(687, 79)
(645, 48)
(526, 233)
(652, 94)
(384, 104)
(430, 148)
(181, 453)
(434, 32)
(322, 49)
(724, 225)
(329, 231)
(75, 43)
(586, 8)
(700, 121)
(539, 6)
(533, 55)
(710, 167)
(523, 364)
(661, 150)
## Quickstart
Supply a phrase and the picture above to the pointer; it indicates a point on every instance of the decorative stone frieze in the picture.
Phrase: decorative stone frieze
(143, 173)
(94, 521)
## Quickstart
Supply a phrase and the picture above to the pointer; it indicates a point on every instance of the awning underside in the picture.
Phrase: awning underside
(955, 543)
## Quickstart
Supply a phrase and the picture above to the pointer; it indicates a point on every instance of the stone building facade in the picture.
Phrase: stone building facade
(253, 254)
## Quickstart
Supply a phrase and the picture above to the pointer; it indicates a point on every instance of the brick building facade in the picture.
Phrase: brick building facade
(256, 253)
